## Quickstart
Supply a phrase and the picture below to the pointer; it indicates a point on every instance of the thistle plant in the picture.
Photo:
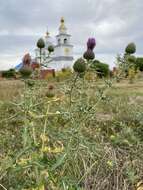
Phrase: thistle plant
(128, 60)
(82, 65)
(89, 54)
(131, 75)
(50, 49)
(40, 45)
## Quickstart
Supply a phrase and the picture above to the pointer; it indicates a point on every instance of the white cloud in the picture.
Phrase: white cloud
(113, 23)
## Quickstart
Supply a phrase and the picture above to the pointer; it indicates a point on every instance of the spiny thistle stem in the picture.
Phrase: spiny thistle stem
(73, 85)
(45, 125)
(3, 187)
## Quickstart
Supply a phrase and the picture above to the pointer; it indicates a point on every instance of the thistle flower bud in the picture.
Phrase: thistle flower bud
(131, 48)
(89, 55)
(50, 87)
(41, 43)
(50, 49)
(79, 65)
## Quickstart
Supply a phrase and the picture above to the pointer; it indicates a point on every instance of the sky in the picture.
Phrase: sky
(114, 24)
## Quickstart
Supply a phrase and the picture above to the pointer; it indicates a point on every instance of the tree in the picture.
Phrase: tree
(102, 69)
(9, 74)
(139, 64)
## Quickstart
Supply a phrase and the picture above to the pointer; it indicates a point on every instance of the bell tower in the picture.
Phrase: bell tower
(62, 57)
(63, 48)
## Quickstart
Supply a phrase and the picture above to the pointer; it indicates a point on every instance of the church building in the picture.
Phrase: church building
(62, 57)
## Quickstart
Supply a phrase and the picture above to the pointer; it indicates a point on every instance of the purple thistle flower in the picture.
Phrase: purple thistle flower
(91, 43)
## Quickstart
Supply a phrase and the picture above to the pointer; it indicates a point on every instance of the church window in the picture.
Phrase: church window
(65, 41)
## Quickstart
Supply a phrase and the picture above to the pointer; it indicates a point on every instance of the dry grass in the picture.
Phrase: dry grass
(100, 134)
(9, 89)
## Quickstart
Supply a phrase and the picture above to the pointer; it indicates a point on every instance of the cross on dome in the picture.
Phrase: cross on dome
(47, 33)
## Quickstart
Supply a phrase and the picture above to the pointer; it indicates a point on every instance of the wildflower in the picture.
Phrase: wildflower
(22, 162)
(91, 43)
(45, 174)
(112, 137)
(57, 112)
(126, 141)
(56, 149)
(44, 138)
(110, 163)
(51, 87)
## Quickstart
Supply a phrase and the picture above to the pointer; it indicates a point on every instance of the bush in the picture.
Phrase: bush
(9, 74)
(131, 59)
(102, 69)
(65, 73)
(25, 72)
(139, 63)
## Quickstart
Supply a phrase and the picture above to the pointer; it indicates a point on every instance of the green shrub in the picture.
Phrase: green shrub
(102, 69)
(65, 73)
(132, 59)
(9, 74)
(25, 72)
(139, 63)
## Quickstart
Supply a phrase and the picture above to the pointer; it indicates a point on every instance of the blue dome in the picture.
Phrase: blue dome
(19, 66)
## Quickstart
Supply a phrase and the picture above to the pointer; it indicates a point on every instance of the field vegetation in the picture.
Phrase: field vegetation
(52, 137)
(81, 130)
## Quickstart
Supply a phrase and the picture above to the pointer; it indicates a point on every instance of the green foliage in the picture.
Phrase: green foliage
(131, 74)
(79, 66)
(95, 142)
(131, 48)
(102, 69)
(25, 72)
(64, 74)
(132, 59)
(139, 63)
(124, 63)
(9, 74)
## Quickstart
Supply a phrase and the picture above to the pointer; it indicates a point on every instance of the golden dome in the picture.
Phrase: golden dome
(62, 26)
(62, 20)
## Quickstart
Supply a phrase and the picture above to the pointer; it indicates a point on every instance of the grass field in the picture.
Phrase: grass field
(9, 89)
(88, 136)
